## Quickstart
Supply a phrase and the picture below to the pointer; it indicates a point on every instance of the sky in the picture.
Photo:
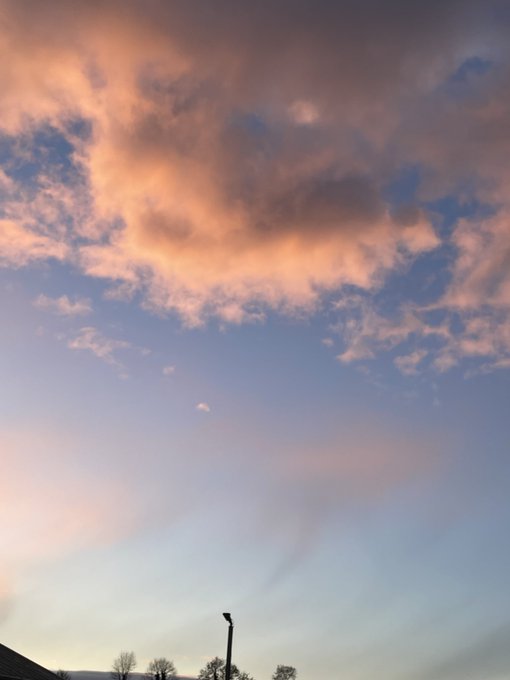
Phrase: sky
(255, 337)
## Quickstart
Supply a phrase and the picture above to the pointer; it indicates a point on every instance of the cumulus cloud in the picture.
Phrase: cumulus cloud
(63, 305)
(211, 217)
(203, 406)
(222, 168)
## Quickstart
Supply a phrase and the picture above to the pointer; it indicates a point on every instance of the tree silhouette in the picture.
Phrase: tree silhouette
(243, 675)
(285, 673)
(215, 670)
(161, 669)
(63, 675)
(123, 665)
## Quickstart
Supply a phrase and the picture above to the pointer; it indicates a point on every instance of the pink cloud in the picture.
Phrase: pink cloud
(20, 246)
(64, 306)
(194, 239)
(90, 339)
(206, 209)
(481, 272)
(408, 363)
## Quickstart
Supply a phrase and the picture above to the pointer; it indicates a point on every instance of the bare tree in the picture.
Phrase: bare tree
(285, 673)
(123, 665)
(161, 669)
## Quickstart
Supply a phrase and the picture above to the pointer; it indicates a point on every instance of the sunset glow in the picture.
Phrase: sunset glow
(255, 265)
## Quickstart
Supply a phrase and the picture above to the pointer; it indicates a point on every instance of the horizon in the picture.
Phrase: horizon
(131, 673)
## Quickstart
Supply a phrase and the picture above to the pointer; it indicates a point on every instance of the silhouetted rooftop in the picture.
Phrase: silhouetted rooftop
(14, 666)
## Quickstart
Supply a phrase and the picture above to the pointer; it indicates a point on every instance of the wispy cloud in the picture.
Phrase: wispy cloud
(203, 406)
(92, 340)
(441, 333)
(365, 332)
(64, 306)
(408, 363)
(168, 370)
(20, 245)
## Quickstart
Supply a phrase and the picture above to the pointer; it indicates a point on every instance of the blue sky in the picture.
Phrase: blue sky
(256, 336)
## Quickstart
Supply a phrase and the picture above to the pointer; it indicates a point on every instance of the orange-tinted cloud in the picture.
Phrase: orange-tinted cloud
(63, 306)
(235, 160)
(481, 273)
(20, 246)
(216, 217)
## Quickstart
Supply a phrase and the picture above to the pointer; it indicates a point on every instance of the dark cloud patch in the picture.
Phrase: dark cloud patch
(324, 205)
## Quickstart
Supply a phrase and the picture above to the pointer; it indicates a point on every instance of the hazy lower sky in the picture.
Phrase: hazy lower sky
(255, 338)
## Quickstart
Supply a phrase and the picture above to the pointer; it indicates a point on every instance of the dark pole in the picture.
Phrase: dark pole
(229, 644)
